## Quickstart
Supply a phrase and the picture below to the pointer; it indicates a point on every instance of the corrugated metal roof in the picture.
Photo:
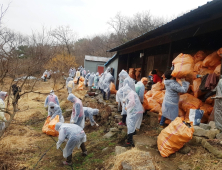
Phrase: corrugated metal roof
(110, 59)
(96, 58)
(186, 19)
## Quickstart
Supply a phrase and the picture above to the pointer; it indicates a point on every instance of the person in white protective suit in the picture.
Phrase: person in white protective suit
(75, 137)
(170, 106)
(84, 72)
(3, 95)
(89, 113)
(106, 83)
(68, 79)
(78, 75)
(91, 80)
(72, 73)
(140, 88)
(103, 77)
(54, 110)
(126, 79)
(51, 98)
(44, 76)
(135, 111)
(70, 86)
(96, 81)
(77, 116)
(100, 83)
(86, 78)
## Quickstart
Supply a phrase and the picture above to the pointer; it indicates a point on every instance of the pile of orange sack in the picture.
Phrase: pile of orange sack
(188, 67)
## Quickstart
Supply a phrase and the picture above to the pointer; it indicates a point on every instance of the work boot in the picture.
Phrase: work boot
(67, 163)
(84, 153)
(129, 141)
(121, 124)
(134, 133)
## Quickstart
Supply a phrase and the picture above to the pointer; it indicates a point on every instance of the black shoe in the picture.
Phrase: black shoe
(134, 133)
(129, 145)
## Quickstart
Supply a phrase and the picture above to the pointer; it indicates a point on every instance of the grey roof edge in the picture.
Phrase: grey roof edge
(111, 59)
(128, 43)
(96, 58)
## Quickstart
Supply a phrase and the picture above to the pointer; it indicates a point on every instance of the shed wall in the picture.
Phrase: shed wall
(92, 66)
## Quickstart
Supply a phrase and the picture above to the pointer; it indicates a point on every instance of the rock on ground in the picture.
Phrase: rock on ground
(205, 126)
(109, 135)
(211, 134)
(212, 125)
(185, 149)
(119, 150)
(142, 140)
(219, 136)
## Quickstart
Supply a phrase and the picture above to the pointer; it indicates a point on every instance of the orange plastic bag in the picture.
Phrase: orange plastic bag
(199, 56)
(112, 88)
(149, 94)
(181, 113)
(158, 87)
(209, 100)
(80, 86)
(219, 52)
(195, 87)
(81, 79)
(45, 126)
(137, 73)
(212, 60)
(51, 127)
(187, 102)
(132, 73)
(198, 66)
(217, 70)
(145, 102)
(75, 80)
(204, 71)
(173, 137)
(194, 75)
(153, 106)
(183, 66)
(158, 96)
(207, 111)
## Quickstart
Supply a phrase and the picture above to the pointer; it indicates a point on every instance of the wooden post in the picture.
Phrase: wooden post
(143, 63)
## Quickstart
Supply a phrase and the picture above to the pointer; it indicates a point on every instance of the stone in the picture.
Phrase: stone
(219, 136)
(112, 106)
(119, 150)
(142, 140)
(205, 126)
(114, 130)
(185, 149)
(198, 131)
(109, 135)
(211, 134)
(118, 116)
(105, 149)
(147, 165)
(126, 166)
(212, 125)
(113, 114)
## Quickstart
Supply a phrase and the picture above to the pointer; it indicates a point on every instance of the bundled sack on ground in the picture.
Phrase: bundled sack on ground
(212, 60)
(49, 126)
(217, 70)
(183, 66)
(81, 83)
(112, 88)
(187, 102)
(174, 136)
(75, 80)
(219, 52)
(207, 109)
(199, 56)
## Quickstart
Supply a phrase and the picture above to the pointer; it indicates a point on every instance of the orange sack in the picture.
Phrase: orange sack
(199, 56)
(158, 96)
(173, 137)
(195, 75)
(198, 65)
(132, 73)
(217, 70)
(181, 113)
(51, 127)
(158, 86)
(209, 100)
(75, 80)
(112, 88)
(152, 105)
(187, 102)
(212, 60)
(183, 66)
(45, 126)
(149, 93)
(80, 86)
(195, 87)
(204, 71)
(219, 52)
(207, 112)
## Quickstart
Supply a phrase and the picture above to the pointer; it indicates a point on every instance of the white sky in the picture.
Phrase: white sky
(86, 17)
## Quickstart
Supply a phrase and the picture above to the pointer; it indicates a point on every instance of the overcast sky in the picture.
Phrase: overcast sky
(86, 17)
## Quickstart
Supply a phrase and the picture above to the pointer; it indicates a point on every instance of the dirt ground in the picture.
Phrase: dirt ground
(24, 144)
